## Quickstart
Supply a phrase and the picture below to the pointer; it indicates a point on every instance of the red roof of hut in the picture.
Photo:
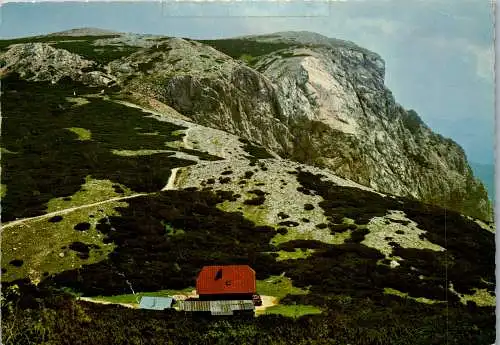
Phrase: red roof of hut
(231, 279)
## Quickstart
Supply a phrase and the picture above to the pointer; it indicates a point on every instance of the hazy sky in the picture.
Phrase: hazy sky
(439, 54)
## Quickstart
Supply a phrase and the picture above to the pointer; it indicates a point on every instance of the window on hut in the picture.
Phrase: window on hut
(218, 275)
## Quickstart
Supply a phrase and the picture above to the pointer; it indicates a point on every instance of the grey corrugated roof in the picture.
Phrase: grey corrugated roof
(223, 307)
(155, 303)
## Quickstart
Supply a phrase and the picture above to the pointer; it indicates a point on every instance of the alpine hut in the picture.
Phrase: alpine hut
(231, 282)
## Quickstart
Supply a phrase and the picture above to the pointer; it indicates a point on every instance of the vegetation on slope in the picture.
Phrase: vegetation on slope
(102, 54)
(81, 45)
(4, 44)
(51, 245)
(45, 160)
(470, 250)
(246, 49)
(346, 281)
(255, 152)
(44, 316)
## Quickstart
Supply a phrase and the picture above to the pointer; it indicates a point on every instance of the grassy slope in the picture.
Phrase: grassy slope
(52, 161)
(133, 298)
(63, 156)
(293, 310)
(276, 286)
(213, 236)
(347, 281)
(91, 191)
(280, 287)
(45, 247)
(247, 50)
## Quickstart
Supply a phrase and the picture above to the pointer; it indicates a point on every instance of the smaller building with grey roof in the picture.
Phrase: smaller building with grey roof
(156, 303)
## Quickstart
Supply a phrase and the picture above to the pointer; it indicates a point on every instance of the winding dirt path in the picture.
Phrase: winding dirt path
(169, 186)
(67, 210)
(88, 299)
(267, 301)
(185, 139)
(171, 180)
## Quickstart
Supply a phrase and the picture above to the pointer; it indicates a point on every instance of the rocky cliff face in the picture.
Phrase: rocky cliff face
(41, 61)
(306, 97)
(210, 88)
(343, 109)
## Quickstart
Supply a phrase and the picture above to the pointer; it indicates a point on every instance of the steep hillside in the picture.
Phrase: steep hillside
(486, 173)
(333, 99)
(309, 98)
(112, 199)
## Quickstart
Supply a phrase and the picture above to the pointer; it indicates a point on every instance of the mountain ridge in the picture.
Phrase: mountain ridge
(321, 103)
(85, 31)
